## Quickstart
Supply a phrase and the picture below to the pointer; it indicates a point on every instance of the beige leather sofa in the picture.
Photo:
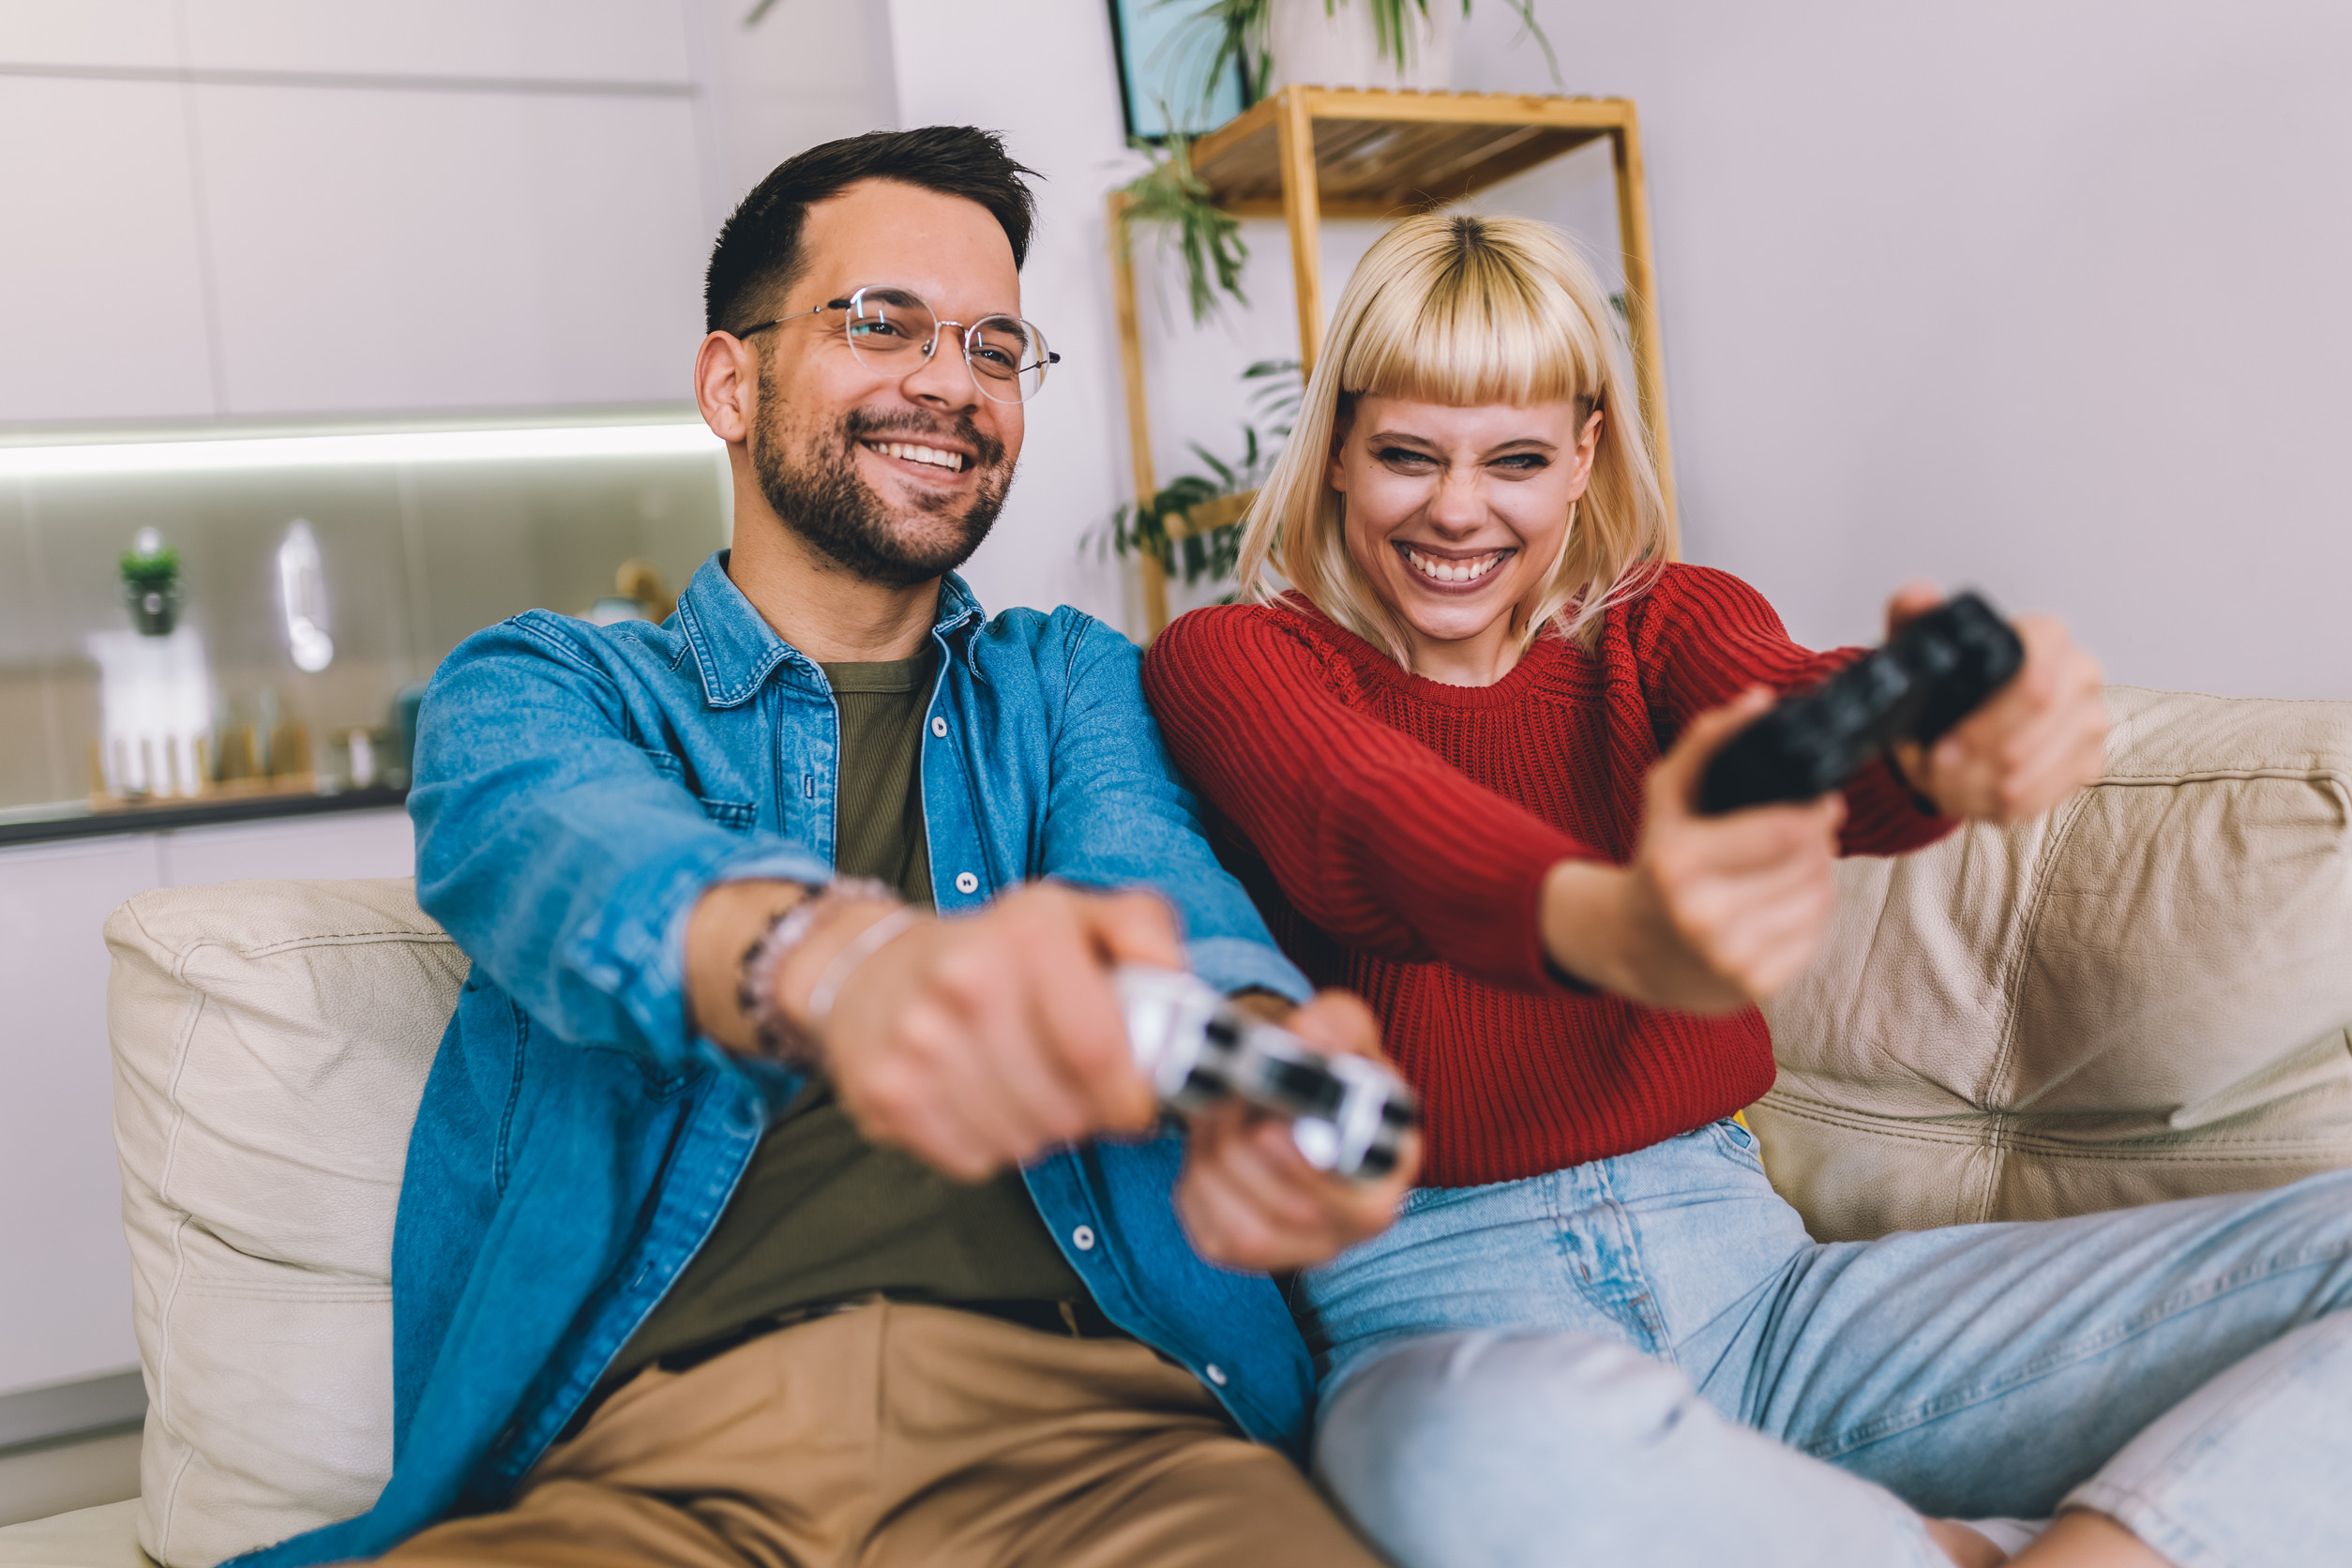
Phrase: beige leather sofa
(2147, 996)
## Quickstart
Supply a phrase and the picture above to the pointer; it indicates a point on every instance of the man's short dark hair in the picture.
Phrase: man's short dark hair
(759, 257)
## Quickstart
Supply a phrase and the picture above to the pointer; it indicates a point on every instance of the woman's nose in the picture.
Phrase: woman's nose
(1457, 506)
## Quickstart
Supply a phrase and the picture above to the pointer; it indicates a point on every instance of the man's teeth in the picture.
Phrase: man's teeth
(953, 461)
(1454, 572)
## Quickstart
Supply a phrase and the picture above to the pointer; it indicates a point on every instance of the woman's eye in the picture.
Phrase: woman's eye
(1402, 456)
(1523, 463)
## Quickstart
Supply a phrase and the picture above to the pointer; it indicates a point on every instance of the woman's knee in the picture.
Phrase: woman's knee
(1452, 1448)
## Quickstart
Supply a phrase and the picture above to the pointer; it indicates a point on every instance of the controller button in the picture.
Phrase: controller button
(1217, 1374)
(967, 882)
(1083, 1238)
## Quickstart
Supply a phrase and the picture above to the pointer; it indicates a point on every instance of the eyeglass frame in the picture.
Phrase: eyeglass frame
(849, 303)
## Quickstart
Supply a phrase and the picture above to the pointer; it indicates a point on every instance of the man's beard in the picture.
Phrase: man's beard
(822, 498)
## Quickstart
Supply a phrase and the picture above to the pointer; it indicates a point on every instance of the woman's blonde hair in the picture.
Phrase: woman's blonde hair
(1456, 310)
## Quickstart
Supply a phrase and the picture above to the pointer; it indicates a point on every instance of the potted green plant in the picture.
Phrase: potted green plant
(151, 584)
(1343, 43)
(1172, 197)
(1193, 526)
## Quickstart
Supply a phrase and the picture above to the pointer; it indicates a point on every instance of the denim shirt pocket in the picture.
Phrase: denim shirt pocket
(735, 816)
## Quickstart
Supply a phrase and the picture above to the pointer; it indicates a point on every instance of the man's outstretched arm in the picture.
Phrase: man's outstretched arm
(561, 855)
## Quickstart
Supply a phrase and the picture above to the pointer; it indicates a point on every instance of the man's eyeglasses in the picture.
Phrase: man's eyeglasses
(1007, 355)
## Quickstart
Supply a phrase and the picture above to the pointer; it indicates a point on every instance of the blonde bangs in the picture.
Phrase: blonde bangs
(1462, 310)
(1457, 327)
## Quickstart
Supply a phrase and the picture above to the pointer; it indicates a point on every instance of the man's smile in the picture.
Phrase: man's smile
(916, 452)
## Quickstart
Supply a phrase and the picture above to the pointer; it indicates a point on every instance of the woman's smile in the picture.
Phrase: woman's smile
(1453, 570)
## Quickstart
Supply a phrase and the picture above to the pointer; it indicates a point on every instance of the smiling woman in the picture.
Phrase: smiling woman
(1457, 764)
(1478, 464)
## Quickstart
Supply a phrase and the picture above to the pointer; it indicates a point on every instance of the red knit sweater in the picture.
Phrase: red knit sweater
(1395, 832)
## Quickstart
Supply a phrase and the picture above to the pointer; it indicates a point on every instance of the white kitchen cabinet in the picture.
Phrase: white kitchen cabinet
(117, 34)
(101, 300)
(379, 251)
(65, 1275)
(592, 40)
(343, 844)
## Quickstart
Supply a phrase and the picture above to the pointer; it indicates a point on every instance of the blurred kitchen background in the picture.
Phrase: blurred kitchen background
(330, 334)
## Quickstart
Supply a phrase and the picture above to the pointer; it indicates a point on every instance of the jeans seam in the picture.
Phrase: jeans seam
(2156, 1529)
(2205, 1293)
(1641, 1306)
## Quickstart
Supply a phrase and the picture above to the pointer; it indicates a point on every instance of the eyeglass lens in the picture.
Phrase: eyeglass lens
(1007, 354)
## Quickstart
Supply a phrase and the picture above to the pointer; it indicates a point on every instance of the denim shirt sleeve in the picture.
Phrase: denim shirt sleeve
(1117, 816)
(555, 847)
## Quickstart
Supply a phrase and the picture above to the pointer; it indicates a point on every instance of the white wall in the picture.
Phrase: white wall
(2046, 298)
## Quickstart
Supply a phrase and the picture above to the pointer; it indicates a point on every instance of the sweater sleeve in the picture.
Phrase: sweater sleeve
(1703, 637)
(1373, 838)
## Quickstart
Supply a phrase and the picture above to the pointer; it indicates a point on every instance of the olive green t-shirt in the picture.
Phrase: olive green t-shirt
(822, 1213)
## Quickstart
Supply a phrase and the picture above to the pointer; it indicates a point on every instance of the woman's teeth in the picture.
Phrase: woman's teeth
(1454, 572)
(953, 461)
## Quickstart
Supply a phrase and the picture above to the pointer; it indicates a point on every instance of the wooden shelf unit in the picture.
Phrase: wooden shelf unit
(1308, 153)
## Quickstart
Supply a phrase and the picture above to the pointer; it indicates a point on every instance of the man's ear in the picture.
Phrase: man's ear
(727, 386)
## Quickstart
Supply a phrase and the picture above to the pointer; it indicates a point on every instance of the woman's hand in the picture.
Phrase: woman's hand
(1249, 1198)
(2035, 742)
(1715, 912)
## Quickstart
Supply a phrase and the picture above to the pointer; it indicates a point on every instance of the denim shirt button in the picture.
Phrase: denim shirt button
(939, 728)
(1217, 1374)
(967, 882)
(1083, 1238)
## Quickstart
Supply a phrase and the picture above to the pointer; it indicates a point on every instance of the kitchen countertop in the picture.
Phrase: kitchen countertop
(197, 813)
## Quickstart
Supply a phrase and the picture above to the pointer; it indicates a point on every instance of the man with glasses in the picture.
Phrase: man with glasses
(784, 1190)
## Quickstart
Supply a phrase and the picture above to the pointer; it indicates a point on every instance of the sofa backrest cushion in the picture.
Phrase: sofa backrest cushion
(2145, 995)
(270, 1042)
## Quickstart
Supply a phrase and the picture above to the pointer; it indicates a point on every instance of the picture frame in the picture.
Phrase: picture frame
(1161, 52)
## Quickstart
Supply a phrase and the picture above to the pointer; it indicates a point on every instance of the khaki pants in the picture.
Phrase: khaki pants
(908, 1435)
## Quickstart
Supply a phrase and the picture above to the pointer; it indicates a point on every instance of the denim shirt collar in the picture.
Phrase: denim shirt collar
(735, 650)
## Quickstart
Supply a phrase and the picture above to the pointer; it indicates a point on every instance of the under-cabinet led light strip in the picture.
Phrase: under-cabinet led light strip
(680, 438)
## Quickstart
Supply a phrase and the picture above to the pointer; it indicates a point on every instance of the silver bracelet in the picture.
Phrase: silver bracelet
(867, 943)
(756, 972)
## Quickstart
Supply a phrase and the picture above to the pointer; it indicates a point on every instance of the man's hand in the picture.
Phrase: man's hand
(978, 1042)
(1249, 1198)
(2034, 741)
(1715, 912)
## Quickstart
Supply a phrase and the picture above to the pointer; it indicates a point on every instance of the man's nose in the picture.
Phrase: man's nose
(943, 380)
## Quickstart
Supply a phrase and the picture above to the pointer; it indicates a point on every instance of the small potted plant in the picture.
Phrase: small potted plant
(1344, 43)
(151, 584)
(1173, 199)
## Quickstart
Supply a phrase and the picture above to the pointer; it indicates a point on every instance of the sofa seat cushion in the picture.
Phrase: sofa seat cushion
(2144, 995)
(102, 1537)
(270, 1042)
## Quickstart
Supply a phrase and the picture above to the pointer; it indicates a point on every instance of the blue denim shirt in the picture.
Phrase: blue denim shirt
(577, 789)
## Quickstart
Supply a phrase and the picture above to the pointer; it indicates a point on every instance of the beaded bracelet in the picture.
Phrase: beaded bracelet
(755, 973)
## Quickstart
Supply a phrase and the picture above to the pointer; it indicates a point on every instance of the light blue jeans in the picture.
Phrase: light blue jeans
(1645, 1360)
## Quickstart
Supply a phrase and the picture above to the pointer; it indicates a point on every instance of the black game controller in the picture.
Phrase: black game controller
(1929, 676)
(1347, 1113)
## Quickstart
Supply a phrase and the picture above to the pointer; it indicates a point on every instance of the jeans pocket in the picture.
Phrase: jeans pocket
(1735, 1139)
